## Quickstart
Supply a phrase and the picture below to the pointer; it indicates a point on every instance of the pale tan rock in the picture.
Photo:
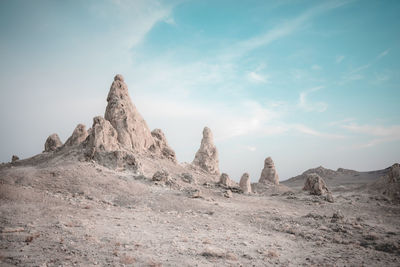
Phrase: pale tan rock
(225, 180)
(78, 136)
(52, 143)
(132, 131)
(269, 174)
(14, 158)
(315, 184)
(103, 136)
(161, 176)
(245, 183)
(161, 146)
(207, 156)
(228, 194)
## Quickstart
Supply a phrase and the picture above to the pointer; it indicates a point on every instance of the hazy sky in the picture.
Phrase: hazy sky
(308, 83)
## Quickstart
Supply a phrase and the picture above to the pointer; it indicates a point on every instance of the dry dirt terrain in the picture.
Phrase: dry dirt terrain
(59, 211)
(115, 195)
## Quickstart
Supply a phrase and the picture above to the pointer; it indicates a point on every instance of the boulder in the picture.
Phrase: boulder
(315, 184)
(78, 136)
(228, 194)
(161, 146)
(14, 159)
(161, 176)
(245, 183)
(269, 174)
(207, 156)
(132, 131)
(52, 143)
(188, 178)
(225, 180)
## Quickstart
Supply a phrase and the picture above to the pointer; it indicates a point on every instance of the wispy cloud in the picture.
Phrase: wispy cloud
(378, 133)
(340, 122)
(316, 67)
(306, 105)
(383, 54)
(309, 131)
(339, 59)
(282, 30)
(257, 78)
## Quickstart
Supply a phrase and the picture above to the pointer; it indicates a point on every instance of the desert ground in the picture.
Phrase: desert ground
(102, 199)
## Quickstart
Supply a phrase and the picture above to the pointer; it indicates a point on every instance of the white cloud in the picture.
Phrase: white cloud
(316, 67)
(384, 53)
(340, 122)
(311, 106)
(257, 78)
(309, 131)
(378, 133)
(339, 59)
(281, 30)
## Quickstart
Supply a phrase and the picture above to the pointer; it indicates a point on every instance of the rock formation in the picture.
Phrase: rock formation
(245, 183)
(78, 136)
(225, 180)
(389, 184)
(52, 143)
(323, 172)
(161, 146)
(207, 156)
(14, 158)
(103, 137)
(269, 174)
(132, 131)
(315, 185)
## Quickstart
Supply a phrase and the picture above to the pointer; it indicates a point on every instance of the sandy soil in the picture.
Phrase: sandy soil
(60, 212)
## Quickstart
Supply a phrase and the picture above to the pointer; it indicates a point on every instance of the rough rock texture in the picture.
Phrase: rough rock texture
(315, 184)
(389, 184)
(245, 183)
(132, 131)
(161, 176)
(52, 143)
(103, 137)
(78, 136)
(207, 155)
(323, 172)
(225, 180)
(14, 158)
(161, 146)
(329, 197)
(269, 174)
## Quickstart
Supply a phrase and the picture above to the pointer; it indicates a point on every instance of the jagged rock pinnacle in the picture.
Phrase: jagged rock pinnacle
(207, 155)
(132, 131)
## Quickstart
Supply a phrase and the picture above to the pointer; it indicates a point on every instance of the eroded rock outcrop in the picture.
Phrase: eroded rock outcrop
(103, 137)
(78, 136)
(132, 131)
(389, 184)
(245, 183)
(269, 174)
(315, 185)
(207, 156)
(225, 180)
(161, 146)
(52, 143)
(14, 158)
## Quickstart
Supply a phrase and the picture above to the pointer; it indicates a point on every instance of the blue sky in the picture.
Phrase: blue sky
(308, 83)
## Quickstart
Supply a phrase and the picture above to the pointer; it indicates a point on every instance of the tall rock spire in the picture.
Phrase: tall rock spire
(133, 132)
(207, 155)
(269, 174)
